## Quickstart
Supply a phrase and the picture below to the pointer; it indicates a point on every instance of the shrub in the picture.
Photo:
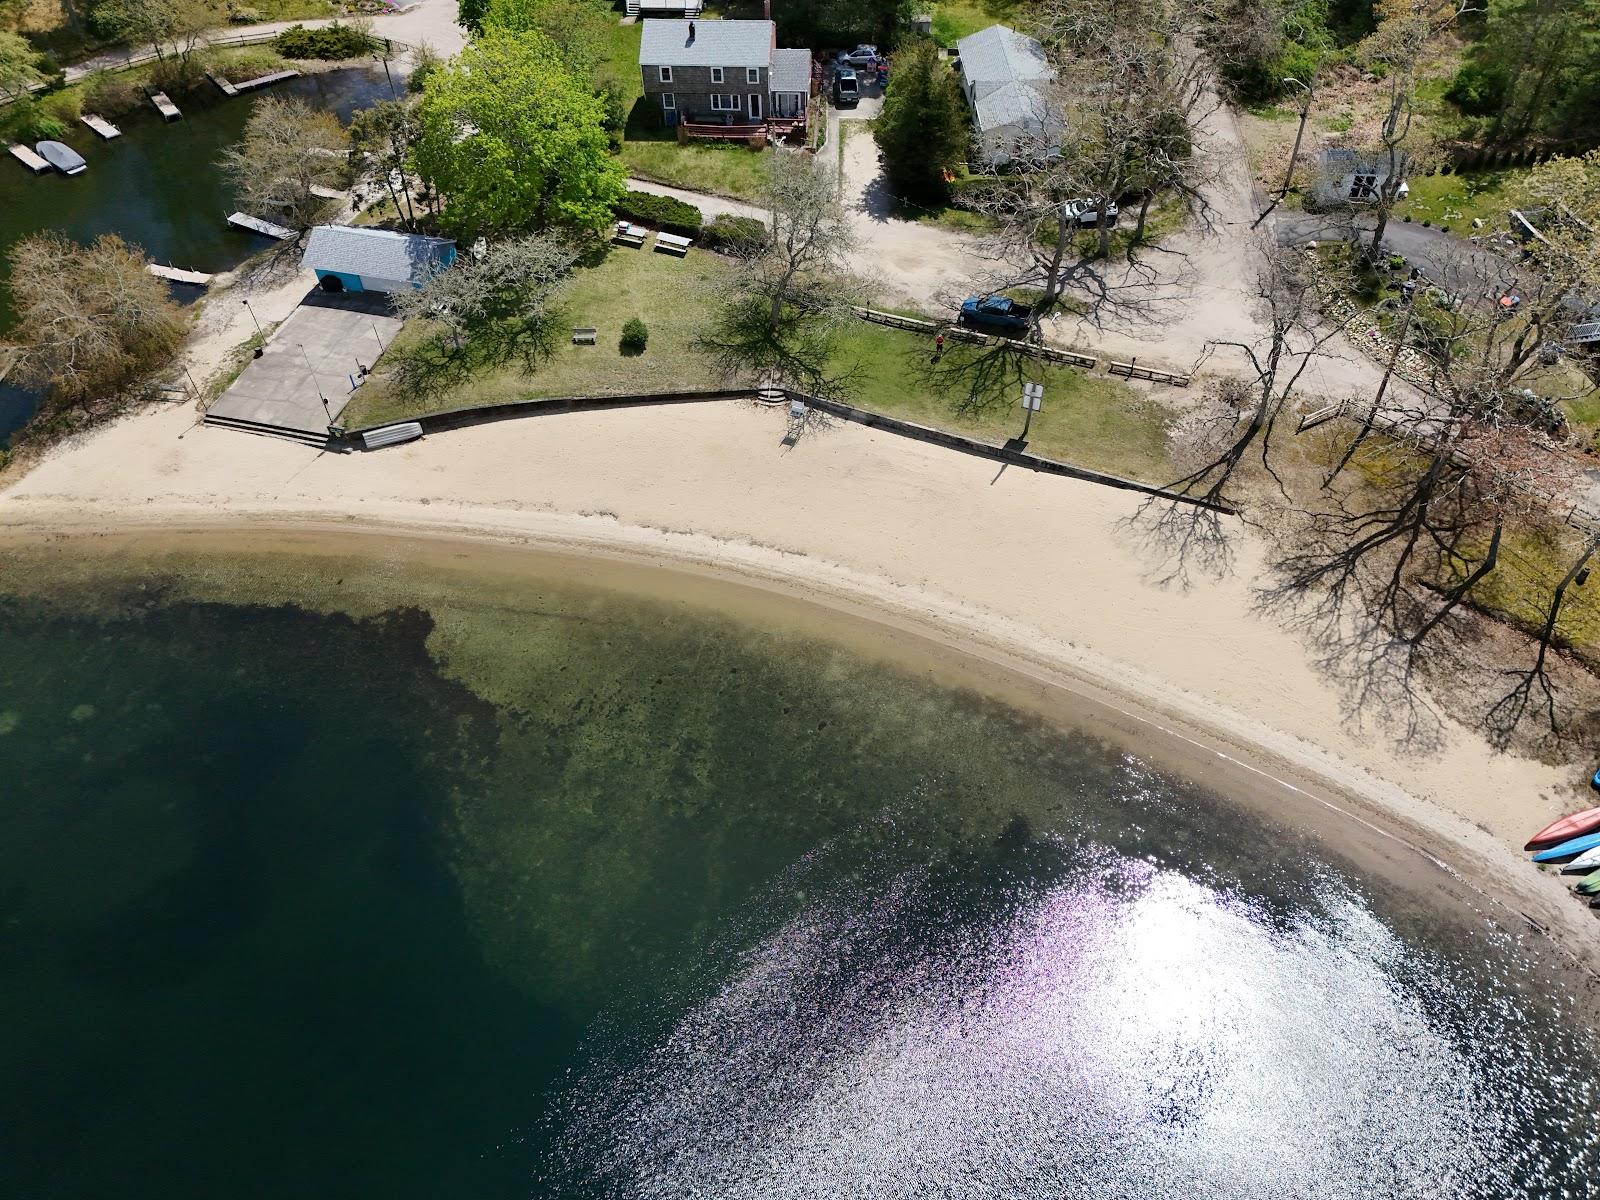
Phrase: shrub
(425, 61)
(32, 123)
(331, 42)
(241, 14)
(664, 212)
(112, 95)
(635, 336)
(736, 235)
(1478, 89)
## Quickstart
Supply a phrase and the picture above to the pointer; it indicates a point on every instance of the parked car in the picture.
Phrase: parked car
(861, 56)
(996, 312)
(1087, 212)
(846, 88)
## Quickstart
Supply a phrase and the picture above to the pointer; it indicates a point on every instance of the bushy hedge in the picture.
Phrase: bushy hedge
(332, 42)
(735, 235)
(635, 336)
(664, 212)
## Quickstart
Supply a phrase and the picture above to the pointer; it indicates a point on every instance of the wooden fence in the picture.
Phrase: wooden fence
(1132, 370)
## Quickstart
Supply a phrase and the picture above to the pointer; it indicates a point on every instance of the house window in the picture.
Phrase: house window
(752, 75)
(755, 105)
(724, 103)
(669, 102)
(716, 74)
(1363, 187)
(666, 74)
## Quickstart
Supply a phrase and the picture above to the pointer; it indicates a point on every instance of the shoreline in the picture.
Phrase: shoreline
(1348, 813)
(1024, 586)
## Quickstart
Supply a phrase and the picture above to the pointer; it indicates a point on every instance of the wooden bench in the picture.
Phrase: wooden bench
(673, 244)
(584, 335)
(630, 235)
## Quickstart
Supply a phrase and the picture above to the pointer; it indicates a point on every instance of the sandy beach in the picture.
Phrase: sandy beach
(1024, 578)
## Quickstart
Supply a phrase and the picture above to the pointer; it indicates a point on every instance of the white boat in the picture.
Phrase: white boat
(62, 157)
(1588, 861)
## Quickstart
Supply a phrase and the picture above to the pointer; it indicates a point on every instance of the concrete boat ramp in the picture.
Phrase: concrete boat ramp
(317, 353)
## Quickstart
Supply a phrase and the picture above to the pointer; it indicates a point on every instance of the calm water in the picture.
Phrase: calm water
(158, 187)
(561, 893)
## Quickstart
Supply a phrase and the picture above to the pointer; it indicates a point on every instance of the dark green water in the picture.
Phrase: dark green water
(561, 893)
(157, 187)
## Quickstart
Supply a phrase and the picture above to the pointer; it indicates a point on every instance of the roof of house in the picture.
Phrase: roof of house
(999, 55)
(1013, 104)
(376, 253)
(715, 44)
(791, 71)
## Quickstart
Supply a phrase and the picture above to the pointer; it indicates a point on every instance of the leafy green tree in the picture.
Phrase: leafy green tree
(383, 137)
(922, 129)
(19, 64)
(1536, 69)
(577, 27)
(469, 14)
(513, 140)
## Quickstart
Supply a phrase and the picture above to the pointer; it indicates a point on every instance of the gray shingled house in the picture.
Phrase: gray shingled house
(721, 74)
(1006, 80)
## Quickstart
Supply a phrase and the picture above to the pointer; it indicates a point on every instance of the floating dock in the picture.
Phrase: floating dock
(179, 275)
(261, 81)
(101, 126)
(28, 158)
(227, 88)
(251, 224)
(165, 107)
(326, 193)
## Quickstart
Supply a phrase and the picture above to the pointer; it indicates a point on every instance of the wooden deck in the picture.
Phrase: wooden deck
(28, 158)
(261, 81)
(256, 225)
(179, 275)
(777, 127)
(167, 109)
(101, 126)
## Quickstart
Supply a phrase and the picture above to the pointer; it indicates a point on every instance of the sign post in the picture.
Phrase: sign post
(1032, 402)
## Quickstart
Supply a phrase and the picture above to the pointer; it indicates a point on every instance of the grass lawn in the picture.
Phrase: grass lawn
(955, 19)
(1453, 200)
(1532, 561)
(1089, 420)
(736, 171)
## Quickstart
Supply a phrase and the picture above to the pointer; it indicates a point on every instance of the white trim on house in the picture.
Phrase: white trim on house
(755, 106)
(716, 75)
(722, 103)
(752, 74)
(669, 102)
(665, 75)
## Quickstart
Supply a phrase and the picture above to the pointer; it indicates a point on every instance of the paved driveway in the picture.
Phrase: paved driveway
(313, 354)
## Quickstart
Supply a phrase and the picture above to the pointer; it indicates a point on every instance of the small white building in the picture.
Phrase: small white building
(1346, 176)
(354, 258)
(1006, 80)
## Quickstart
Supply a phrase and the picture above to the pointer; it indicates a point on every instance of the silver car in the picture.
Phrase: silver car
(861, 56)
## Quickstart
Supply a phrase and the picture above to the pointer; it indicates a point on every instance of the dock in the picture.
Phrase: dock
(227, 88)
(261, 81)
(179, 275)
(165, 107)
(101, 126)
(28, 158)
(251, 224)
(327, 193)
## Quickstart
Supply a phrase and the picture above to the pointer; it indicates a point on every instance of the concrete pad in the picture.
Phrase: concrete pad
(312, 355)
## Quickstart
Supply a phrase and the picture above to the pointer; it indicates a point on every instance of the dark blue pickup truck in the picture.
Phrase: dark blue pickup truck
(995, 312)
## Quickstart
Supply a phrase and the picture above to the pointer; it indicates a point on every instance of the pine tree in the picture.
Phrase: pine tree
(922, 129)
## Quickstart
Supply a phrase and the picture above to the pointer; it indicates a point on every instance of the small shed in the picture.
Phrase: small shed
(349, 258)
(1006, 79)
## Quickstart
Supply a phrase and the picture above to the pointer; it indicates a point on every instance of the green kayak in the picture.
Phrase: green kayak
(1589, 885)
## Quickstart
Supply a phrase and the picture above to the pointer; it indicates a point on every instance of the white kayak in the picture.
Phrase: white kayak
(1588, 861)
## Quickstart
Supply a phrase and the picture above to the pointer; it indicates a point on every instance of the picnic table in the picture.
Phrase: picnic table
(671, 243)
(630, 235)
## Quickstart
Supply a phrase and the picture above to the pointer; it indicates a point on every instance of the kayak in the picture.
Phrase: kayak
(1595, 781)
(1589, 885)
(62, 157)
(1588, 861)
(1568, 849)
(1570, 826)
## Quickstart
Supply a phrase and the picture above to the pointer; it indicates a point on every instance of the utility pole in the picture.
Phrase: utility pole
(1305, 111)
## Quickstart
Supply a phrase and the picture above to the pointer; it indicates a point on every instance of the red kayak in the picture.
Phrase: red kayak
(1573, 825)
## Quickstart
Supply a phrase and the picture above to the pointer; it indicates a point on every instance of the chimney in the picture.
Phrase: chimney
(690, 42)
(766, 9)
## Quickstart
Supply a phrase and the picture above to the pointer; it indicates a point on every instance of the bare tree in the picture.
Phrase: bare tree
(288, 154)
(1244, 422)
(90, 319)
(502, 300)
(788, 300)
(382, 137)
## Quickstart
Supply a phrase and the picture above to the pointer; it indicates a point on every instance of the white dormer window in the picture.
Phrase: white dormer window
(666, 74)
(752, 75)
(716, 74)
